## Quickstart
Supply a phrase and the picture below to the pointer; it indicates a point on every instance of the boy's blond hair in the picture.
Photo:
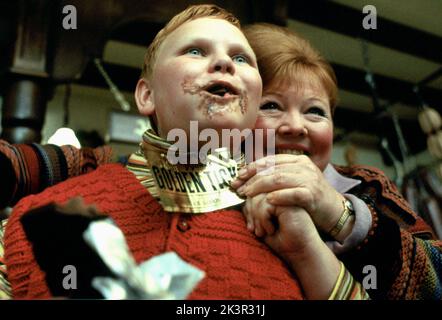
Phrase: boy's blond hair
(285, 56)
(189, 14)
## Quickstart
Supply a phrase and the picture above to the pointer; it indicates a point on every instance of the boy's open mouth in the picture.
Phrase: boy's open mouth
(218, 96)
(221, 89)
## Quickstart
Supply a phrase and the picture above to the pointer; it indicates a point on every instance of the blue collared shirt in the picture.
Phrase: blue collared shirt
(363, 219)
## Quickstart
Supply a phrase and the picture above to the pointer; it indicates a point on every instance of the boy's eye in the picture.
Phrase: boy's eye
(317, 110)
(240, 59)
(194, 52)
(270, 106)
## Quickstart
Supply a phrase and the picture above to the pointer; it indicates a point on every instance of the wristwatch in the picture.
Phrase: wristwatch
(348, 211)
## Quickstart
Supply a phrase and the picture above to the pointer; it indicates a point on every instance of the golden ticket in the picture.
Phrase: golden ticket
(193, 188)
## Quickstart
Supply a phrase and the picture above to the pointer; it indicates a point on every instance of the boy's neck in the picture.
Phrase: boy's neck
(195, 156)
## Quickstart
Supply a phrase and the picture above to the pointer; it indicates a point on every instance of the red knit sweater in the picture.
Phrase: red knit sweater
(236, 263)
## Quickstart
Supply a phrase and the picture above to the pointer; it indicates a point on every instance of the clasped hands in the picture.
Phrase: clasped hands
(288, 201)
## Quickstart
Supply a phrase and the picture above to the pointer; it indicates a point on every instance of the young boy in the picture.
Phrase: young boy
(199, 67)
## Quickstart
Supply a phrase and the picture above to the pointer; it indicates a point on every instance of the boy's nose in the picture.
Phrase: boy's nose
(223, 64)
(292, 124)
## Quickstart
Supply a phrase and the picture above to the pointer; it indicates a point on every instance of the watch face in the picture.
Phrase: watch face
(349, 205)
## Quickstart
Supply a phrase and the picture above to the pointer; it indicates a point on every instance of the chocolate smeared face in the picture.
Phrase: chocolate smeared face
(217, 98)
(205, 72)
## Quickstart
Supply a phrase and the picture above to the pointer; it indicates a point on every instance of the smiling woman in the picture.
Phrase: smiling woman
(305, 202)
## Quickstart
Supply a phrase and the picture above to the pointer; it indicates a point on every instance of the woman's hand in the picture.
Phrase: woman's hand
(287, 230)
(292, 235)
(292, 180)
(295, 234)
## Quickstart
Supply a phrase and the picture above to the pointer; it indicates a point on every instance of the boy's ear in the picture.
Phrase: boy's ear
(144, 97)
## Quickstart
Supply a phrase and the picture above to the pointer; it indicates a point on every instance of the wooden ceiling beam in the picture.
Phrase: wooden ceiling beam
(348, 21)
(389, 88)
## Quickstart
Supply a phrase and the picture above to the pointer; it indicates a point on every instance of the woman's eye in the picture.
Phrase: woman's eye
(240, 59)
(270, 106)
(195, 52)
(317, 110)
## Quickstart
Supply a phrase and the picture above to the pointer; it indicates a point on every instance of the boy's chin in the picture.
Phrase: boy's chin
(228, 122)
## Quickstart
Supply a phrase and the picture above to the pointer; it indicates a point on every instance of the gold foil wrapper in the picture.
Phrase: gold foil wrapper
(191, 188)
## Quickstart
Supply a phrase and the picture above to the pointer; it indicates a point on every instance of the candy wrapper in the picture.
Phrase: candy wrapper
(190, 188)
(165, 276)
